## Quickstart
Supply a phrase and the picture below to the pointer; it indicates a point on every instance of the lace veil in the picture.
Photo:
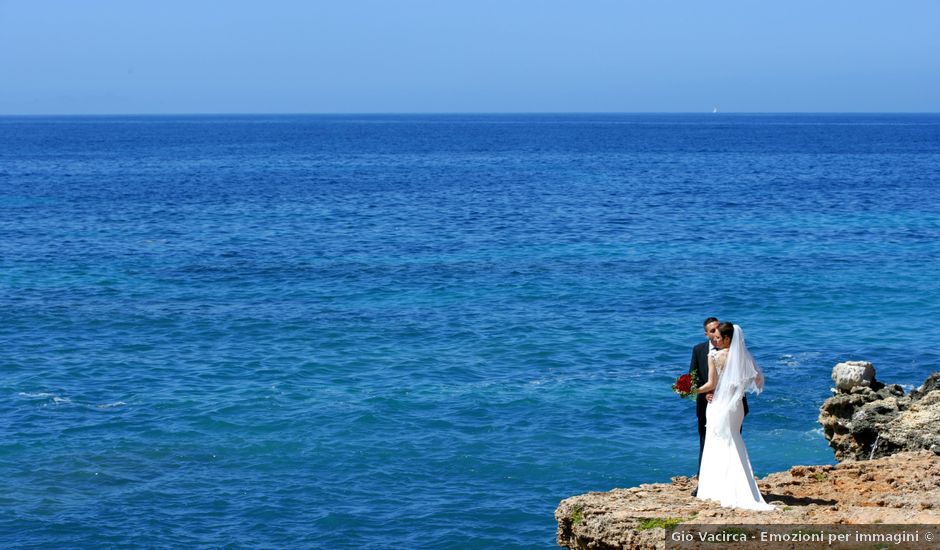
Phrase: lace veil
(741, 374)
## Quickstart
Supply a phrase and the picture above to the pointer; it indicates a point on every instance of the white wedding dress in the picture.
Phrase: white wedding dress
(726, 474)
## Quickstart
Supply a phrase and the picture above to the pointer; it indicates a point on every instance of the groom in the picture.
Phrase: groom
(699, 367)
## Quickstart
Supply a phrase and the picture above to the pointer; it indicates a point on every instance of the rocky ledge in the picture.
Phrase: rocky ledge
(871, 427)
(900, 489)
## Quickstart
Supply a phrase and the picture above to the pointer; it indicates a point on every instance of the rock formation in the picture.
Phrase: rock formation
(852, 374)
(900, 489)
(866, 420)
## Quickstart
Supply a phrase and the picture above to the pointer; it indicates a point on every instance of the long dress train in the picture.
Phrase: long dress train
(725, 474)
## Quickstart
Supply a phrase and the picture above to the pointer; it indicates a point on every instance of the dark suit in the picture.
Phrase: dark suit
(699, 366)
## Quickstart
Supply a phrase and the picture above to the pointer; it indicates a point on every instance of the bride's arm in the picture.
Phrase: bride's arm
(709, 386)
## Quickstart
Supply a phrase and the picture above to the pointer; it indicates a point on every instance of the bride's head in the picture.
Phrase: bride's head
(725, 335)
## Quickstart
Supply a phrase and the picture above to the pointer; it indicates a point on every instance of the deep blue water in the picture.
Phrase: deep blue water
(425, 331)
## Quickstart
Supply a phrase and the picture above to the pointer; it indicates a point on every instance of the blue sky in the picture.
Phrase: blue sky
(355, 56)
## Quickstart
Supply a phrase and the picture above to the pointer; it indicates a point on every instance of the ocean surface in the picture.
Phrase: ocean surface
(425, 331)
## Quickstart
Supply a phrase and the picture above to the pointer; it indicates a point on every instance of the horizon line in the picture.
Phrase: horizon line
(444, 113)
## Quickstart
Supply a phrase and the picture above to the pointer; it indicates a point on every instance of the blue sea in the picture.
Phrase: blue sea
(409, 331)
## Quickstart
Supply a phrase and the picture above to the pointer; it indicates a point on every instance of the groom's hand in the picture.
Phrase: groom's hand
(709, 396)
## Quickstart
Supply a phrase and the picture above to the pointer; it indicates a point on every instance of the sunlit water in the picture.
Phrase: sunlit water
(425, 331)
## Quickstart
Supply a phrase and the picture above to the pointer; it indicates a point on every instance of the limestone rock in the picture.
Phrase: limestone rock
(864, 423)
(900, 489)
(851, 374)
(932, 383)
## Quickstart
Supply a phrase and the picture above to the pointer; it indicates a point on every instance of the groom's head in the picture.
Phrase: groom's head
(711, 328)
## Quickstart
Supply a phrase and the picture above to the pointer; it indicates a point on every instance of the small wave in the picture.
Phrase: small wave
(788, 360)
(798, 359)
(59, 400)
(56, 400)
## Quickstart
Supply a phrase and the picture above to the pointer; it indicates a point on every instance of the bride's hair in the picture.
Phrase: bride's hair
(726, 330)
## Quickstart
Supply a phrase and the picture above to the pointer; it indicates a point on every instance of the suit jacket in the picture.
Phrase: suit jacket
(699, 365)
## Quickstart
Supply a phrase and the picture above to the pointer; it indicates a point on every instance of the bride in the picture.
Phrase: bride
(726, 474)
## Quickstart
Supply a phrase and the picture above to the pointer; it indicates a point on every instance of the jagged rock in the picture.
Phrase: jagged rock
(851, 374)
(863, 423)
(900, 489)
(932, 383)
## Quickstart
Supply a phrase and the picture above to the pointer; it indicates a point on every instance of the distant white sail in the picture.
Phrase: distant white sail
(715, 109)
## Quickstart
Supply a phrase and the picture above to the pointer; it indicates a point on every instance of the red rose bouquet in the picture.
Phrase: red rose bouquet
(686, 385)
